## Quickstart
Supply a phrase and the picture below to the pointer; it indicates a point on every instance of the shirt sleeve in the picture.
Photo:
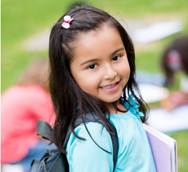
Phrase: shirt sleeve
(85, 155)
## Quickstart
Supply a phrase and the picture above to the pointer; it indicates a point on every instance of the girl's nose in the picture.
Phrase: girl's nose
(109, 72)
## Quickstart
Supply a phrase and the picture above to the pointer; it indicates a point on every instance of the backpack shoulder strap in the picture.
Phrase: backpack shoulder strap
(95, 118)
(44, 130)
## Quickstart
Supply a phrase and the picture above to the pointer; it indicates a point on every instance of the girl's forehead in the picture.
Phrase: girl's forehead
(98, 43)
(104, 33)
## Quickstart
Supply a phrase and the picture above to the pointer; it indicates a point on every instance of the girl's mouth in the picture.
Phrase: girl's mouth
(110, 88)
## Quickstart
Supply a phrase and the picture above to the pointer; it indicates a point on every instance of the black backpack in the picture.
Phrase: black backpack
(54, 160)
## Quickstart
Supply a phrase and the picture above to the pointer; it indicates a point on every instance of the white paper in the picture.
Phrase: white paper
(156, 31)
(165, 121)
(152, 93)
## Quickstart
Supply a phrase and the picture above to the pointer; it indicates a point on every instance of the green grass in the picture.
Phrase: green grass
(182, 137)
(20, 19)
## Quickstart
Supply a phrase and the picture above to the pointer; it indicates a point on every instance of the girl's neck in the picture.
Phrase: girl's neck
(113, 110)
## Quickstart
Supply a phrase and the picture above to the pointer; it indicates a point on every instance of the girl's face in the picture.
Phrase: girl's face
(100, 65)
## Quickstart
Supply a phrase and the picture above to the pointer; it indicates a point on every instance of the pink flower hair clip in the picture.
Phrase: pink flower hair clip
(66, 23)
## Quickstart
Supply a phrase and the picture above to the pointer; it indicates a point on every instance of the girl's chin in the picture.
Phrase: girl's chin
(112, 101)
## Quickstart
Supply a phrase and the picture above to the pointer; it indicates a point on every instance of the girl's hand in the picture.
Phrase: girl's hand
(175, 99)
(167, 104)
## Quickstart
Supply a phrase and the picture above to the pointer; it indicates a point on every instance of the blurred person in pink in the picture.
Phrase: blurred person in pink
(22, 105)
(175, 59)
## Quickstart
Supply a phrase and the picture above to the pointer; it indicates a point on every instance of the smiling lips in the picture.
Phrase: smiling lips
(110, 88)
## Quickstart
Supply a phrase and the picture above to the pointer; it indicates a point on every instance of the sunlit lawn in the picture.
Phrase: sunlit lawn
(20, 19)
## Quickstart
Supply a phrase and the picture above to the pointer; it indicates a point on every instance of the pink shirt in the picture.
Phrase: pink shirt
(21, 108)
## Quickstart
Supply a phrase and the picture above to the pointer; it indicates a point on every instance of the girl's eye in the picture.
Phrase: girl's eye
(116, 58)
(93, 66)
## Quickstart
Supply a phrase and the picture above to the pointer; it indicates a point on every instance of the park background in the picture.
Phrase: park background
(23, 19)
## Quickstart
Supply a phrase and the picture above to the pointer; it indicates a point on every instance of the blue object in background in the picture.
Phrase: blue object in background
(143, 77)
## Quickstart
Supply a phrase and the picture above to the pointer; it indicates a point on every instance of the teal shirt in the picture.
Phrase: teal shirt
(134, 153)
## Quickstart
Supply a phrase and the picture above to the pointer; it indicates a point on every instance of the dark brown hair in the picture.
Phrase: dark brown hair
(181, 46)
(65, 92)
(36, 73)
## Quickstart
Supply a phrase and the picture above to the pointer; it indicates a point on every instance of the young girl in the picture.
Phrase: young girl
(175, 59)
(92, 71)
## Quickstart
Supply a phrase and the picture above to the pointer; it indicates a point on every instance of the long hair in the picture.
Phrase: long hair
(36, 73)
(181, 46)
(65, 92)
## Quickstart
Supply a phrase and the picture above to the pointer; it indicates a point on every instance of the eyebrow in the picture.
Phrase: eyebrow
(117, 50)
(94, 60)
